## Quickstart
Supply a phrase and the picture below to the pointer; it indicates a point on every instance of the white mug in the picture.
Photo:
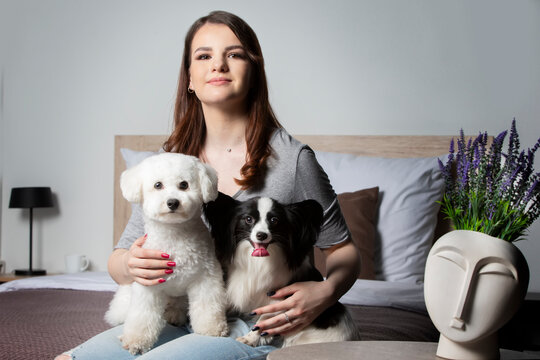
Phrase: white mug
(76, 263)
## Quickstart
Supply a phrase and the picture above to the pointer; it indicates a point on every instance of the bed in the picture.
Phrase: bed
(387, 187)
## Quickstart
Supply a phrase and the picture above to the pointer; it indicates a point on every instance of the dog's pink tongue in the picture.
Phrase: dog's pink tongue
(260, 250)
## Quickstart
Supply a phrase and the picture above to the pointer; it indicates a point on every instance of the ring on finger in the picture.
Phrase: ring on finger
(287, 317)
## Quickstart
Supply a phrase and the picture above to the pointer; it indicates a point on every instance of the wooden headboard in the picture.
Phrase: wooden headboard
(368, 145)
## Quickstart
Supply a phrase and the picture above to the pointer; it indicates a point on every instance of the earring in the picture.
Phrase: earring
(190, 90)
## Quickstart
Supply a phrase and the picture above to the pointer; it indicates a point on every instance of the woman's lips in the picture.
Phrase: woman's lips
(219, 81)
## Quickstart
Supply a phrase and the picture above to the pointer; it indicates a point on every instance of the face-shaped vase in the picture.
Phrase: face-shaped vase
(474, 283)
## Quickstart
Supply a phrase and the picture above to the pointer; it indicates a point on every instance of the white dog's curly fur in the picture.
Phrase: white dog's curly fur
(172, 189)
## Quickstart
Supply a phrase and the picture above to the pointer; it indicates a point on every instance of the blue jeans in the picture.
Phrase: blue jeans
(176, 343)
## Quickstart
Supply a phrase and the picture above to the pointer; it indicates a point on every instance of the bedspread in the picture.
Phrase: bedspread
(42, 323)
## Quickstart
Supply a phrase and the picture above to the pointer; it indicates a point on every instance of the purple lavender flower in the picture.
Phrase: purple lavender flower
(463, 179)
(485, 194)
(531, 190)
(509, 180)
(536, 146)
(513, 142)
(477, 158)
(500, 138)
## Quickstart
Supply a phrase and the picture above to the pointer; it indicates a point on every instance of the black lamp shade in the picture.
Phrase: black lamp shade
(31, 197)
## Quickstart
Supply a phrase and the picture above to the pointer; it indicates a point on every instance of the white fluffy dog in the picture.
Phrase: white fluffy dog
(172, 189)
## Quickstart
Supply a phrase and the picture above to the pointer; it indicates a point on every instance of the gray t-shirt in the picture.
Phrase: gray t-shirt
(293, 175)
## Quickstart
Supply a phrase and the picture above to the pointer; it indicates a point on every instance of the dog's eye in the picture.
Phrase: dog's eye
(274, 220)
(158, 186)
(249, 220)
(183, 185)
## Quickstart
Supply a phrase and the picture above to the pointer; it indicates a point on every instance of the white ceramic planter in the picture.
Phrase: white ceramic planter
(474, 284)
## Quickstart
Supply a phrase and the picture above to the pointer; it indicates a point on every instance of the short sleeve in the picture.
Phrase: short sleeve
(311, 182)
(134, 228)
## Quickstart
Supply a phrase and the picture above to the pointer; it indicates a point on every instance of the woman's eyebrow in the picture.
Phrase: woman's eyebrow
(234, 47)
(228, 48)
(203, 48)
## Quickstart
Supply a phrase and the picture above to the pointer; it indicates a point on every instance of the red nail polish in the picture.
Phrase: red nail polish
(171, 263)
(161, 281)
(165, 256)
(145, 236)
(168, 271)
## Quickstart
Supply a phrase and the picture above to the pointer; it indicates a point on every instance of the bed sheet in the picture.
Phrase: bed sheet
(90, 280)
(399, 295)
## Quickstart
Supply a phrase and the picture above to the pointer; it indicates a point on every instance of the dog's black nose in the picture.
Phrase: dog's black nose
(173, 204)
(261, 235)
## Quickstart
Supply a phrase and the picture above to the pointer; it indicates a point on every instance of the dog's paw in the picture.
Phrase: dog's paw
(135, 345)
(249, 339)
(219, 329)
(222, 329)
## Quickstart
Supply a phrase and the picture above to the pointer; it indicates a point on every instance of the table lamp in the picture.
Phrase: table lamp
(30, 198)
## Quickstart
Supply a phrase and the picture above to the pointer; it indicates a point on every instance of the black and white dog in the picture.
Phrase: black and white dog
(263, 246)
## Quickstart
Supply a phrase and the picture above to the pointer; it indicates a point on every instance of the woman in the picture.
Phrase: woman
(223, 116)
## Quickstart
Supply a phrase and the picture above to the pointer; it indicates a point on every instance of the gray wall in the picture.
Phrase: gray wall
(78, 72)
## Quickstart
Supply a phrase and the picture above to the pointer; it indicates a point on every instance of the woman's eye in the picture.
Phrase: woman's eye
(203, 57)
(236, 55)
(274, 220)
(158, 186)
(183, 185)
(249, 220)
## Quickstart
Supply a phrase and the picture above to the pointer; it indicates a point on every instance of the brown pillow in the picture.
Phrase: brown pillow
(359, 209)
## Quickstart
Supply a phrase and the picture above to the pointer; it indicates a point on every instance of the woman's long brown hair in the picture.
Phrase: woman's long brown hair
(189, 126)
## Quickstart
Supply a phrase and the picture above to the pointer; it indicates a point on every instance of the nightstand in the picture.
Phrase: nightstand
(10, 277)
(522, 332)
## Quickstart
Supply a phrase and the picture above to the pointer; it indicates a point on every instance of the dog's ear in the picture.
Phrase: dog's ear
(307, 212)
(306, 218)
(220, 215)
(131, 184)
(220, 210)
(208, 180)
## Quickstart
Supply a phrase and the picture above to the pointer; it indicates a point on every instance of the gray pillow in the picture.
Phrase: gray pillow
(408, 193)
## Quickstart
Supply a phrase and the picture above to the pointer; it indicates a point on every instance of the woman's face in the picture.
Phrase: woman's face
(219, 71)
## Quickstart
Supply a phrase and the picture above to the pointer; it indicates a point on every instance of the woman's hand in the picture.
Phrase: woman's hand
(302, 302)
(145, 266)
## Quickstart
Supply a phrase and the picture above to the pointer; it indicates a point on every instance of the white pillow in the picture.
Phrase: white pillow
(408, 191)
(133, 157)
